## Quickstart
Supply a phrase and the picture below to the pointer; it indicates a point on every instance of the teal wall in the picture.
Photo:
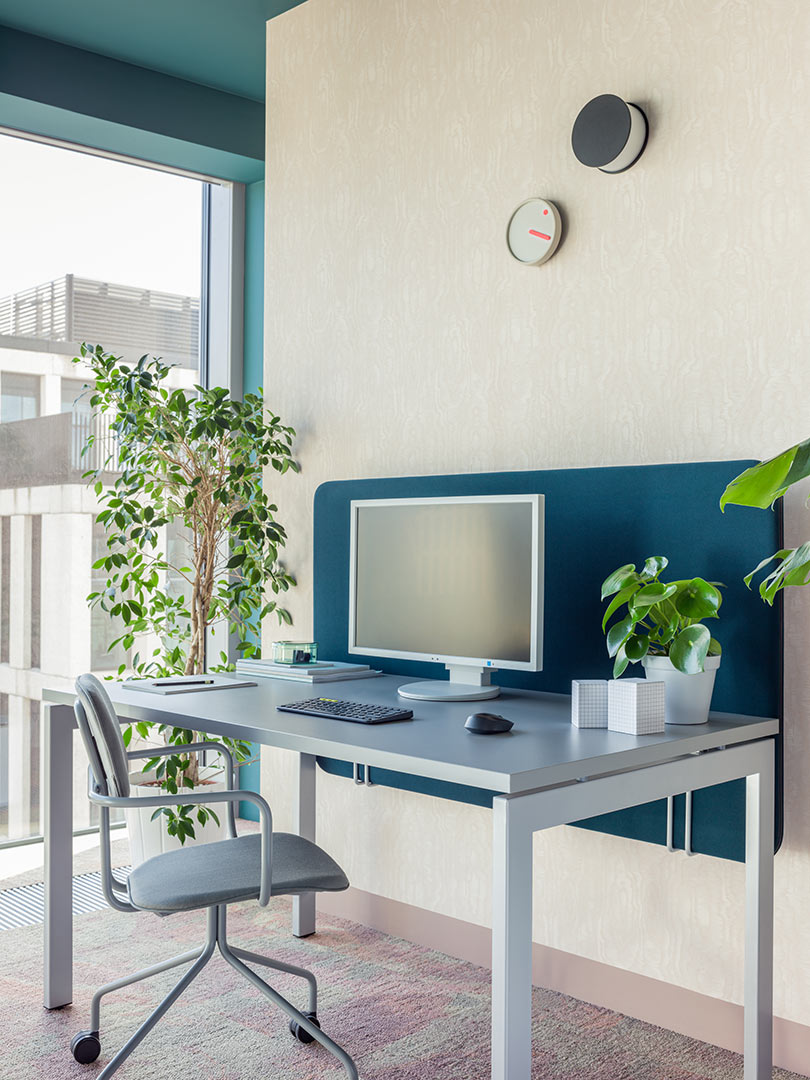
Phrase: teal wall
(254, 286)
(249, 775)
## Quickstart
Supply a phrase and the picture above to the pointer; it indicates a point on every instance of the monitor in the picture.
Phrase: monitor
(453, 580)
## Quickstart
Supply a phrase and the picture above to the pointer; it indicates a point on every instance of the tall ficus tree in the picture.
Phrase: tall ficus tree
(190, 461)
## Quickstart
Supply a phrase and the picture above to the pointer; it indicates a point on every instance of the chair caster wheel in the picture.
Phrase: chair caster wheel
(85, 1047)
(300, 1033)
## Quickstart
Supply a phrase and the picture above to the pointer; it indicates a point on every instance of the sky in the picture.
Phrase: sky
(66, 212)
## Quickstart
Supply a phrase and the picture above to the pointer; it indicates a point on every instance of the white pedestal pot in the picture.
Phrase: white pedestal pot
(687, 697)
(148, 838)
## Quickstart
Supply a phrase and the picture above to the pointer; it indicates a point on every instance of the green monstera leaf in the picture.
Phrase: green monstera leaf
(763, 484)
(792, 568)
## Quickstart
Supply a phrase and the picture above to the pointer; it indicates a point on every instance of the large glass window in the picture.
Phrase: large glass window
(3, 766)
(35, 592)
(5, 588)
(19, 396)
(75, 396)
(102, 656)
(110, 253)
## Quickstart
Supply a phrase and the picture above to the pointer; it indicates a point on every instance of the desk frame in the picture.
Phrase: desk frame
(515, 819)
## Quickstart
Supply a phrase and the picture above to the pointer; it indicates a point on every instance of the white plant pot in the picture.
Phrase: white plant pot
(148, 838)
(687, 697)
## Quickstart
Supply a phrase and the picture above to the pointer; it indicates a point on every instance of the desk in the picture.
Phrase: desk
(547, 772)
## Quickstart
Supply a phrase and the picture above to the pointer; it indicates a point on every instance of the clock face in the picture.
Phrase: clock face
(534, 231)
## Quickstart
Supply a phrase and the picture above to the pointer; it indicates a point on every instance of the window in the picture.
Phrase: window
(75, 396)
(109, 252)
(19, 396)
(102, 657)
(33, 780)
(5, 588)
(35, 594)
(3, 765)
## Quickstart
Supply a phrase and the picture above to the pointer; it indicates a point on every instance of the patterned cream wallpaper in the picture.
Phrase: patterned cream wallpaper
(671, 325)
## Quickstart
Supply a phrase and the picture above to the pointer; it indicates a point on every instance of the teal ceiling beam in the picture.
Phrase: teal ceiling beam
(58, 91)
(213, 42)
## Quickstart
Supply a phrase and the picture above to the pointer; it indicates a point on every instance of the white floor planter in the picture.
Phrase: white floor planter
(688, 697)
(148, 838)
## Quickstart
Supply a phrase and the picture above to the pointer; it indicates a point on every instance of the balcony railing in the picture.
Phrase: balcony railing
(41, 312)
(49, 450)
(122, 318)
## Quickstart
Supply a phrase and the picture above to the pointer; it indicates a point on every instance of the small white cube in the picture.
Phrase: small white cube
(589, 703)
(636, 706)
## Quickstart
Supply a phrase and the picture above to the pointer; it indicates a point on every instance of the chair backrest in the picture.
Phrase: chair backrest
(101, 734)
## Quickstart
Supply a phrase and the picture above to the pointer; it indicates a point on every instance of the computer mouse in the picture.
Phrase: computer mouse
(487, 723)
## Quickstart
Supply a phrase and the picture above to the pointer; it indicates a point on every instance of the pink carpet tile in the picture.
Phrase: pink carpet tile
(402, 1011)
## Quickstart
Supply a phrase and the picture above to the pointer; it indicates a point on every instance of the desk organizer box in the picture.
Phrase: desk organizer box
(636, 706)
(589, 703)
(598, 519)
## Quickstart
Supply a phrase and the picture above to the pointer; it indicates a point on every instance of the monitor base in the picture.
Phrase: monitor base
(439, 690)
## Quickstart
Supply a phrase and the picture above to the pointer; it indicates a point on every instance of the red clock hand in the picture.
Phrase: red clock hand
(542, 235)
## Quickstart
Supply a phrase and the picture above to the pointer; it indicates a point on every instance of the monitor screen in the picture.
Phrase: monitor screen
(448, 579)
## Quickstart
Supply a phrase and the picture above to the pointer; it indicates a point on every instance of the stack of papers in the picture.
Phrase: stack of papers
(322, 671)
(186, 684)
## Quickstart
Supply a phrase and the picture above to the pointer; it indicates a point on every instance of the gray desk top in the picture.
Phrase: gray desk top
(542, 749)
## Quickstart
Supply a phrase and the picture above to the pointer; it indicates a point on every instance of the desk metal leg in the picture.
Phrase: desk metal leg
(304, 906)
(58, 833)
(511, 944)
(516, 817)
(759, 835)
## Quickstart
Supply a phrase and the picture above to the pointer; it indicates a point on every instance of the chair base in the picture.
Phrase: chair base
(86, 1045)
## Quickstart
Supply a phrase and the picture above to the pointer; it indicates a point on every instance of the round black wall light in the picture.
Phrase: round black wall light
(609, 134)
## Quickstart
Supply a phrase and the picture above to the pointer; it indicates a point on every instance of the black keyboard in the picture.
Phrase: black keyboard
(355, 711)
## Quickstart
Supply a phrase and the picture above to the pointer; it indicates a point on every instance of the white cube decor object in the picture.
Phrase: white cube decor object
(636, 706)
(589, 703)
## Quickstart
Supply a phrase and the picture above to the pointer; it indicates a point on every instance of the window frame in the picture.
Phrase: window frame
(222, 300)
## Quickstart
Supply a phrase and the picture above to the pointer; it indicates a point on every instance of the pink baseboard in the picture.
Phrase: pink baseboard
(685, 1011)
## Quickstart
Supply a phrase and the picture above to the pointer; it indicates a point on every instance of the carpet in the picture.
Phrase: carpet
(402, 1011)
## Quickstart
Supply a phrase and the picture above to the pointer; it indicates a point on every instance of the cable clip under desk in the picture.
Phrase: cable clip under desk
(367, 782)
(687, 832)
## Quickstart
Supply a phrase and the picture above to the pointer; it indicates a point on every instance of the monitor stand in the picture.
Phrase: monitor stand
(464, 684)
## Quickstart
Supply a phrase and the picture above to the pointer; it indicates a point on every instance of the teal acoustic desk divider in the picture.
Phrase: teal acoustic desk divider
(596, 520)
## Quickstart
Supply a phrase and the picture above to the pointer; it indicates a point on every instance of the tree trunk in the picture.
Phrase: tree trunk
(195, 665)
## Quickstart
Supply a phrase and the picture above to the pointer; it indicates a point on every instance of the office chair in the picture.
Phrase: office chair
(209, 876)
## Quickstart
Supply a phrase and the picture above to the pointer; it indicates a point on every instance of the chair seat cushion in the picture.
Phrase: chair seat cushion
(230, 870)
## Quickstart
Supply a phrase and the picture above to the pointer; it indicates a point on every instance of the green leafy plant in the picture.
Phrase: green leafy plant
(660, 619)
(761, 486)
(192, 541)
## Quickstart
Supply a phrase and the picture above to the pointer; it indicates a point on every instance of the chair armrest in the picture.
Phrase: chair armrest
(181, 748)
(194, 798)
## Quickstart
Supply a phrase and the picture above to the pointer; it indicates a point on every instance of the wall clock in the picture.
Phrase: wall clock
(534, 231)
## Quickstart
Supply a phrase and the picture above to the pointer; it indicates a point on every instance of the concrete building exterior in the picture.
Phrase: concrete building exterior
(48, 535)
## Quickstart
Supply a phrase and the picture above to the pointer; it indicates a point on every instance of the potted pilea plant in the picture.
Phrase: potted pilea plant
(192, 545)
(661, 625)
(761, 486)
